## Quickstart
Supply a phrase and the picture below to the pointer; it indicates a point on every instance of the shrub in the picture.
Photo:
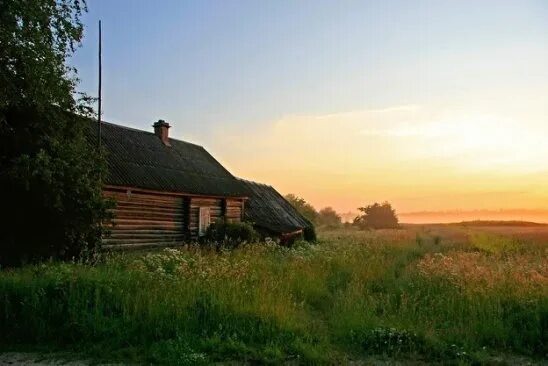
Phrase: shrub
(231, 233)
(377, 216)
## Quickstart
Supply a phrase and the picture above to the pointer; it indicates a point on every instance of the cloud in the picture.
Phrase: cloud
(392, 136)
(397, 153)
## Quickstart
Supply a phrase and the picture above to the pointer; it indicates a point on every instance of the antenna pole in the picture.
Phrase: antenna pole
(99, 91)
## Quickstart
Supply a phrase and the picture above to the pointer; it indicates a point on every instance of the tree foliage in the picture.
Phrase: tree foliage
(36, 38)
(303, 207)
(377, 216)
(50, 185)
(329, 217)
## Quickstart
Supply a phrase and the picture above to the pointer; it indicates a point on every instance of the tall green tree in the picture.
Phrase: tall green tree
(50, 171)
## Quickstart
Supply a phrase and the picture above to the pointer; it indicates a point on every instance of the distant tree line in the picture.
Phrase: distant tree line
(325, 217)
(374, 216)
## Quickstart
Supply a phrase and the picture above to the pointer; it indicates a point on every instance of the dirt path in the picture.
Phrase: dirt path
(33, 359)
(37, 359)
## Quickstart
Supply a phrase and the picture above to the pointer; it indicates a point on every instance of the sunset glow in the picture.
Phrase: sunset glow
(420, 158)
(435, 106)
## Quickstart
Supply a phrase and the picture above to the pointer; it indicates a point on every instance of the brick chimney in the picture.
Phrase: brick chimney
(161, 129)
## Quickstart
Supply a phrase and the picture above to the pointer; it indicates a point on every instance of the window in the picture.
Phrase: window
(204, 220)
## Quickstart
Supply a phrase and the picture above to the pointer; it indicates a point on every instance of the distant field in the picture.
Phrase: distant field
(519, 230)
(513, 223)
(449, 293)
(524, 215)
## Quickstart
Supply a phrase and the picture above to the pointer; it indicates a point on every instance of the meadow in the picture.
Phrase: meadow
(432, 293)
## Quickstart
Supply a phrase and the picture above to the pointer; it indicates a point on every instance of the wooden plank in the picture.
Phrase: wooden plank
(143, 198)
(144, 245)
(145, 227)
(142, 236)
(136, 221)
(131, 193)
(147, 205)
(233, 203)
(201, 202)
(144, 240)
(148, 191)
(148, 215)
(153, 208)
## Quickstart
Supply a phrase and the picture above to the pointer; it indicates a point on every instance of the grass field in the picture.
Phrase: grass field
(436, 293)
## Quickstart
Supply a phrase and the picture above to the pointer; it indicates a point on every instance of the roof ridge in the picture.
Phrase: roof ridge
(148, 132)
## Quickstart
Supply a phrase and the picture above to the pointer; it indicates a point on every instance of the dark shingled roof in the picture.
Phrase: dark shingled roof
(139, 159)
(269, 210)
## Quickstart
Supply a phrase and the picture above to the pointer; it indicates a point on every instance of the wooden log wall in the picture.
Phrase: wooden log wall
(143, 219)
(234, 210)
(148, 219)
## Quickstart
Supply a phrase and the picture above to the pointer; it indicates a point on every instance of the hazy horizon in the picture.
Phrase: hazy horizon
(432, 106)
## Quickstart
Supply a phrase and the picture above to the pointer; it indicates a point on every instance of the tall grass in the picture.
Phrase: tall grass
(351, 295)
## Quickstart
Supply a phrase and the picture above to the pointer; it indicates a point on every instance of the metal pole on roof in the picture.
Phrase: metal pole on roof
(99, 91)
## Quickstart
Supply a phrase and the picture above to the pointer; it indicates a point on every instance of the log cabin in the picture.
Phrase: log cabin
(168, 191)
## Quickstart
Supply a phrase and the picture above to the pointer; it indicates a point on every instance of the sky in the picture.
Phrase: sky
(430, 105)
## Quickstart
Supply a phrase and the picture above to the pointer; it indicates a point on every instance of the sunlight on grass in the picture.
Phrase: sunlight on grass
(491, 243)
(351, 295)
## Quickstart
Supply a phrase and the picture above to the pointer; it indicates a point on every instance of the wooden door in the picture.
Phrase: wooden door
(205, 220)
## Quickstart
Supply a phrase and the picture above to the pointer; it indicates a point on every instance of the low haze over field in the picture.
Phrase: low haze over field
(521, 215)
(433, 106)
